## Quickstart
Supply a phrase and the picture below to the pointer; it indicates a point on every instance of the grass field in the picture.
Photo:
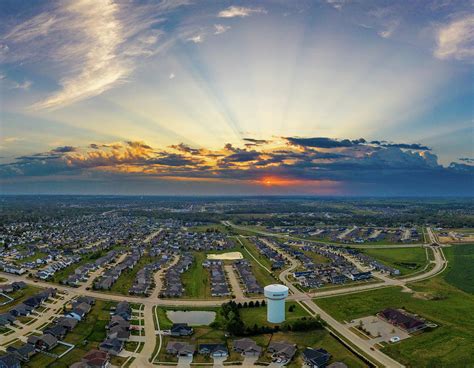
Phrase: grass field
(196, 279)
(449, 345)
(461, 274)
(252, 316)
(262, 275)
(407, 260)
(87, 335)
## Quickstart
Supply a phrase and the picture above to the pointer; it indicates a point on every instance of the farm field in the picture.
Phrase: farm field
(450, 344)
(407, 260)
(461, 271)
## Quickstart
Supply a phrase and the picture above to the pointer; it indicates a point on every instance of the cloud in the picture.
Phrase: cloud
(323, 142)
(390, 27)
(383, 165)
(24, 86)
(92, 45)
(239, 11)
(337, 4)
(220, 28)
(171, 76)
(455, 40)
(199, 38)
(64, 149)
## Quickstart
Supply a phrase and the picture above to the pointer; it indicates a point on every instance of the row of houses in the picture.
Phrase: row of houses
(81, 273)
(244, 270)
(371, 262)
(281, 352)
(26, 307)
(58, 265)
(173, 287)
(118, 329)
(111, 275)
(50, 337)
(144, 279)
(275, 257)
(10, 288)
(337, 270)
(219, 284)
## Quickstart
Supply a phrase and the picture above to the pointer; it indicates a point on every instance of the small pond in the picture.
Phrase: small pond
(192, 318)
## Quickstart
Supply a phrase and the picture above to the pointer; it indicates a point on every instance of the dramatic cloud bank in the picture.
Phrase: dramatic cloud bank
(286, 162)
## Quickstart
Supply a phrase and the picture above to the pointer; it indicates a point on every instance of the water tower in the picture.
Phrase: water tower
(276, 295)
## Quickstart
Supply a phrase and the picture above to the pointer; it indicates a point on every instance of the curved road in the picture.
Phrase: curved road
(304, 298)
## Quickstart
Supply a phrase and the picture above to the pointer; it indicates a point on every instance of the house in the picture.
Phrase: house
(316, 358)
(118, 321)
(6, 319)
(179, 348)
(214, 350)
(118, 332)
(123, 309)
(57, 331)
(247, 347)
(282, 350)
(67, 322)
(24, 352)
(94, 359)
(43, 342)
(181, 329)
(111, 346)
(9, 361)
(21, 310)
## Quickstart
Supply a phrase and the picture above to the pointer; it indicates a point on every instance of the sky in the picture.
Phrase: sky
(183, 97)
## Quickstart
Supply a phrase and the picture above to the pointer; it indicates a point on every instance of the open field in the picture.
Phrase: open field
(461, 271)
(407, 260)
(258, 316)
(87, 335)
(448, 345)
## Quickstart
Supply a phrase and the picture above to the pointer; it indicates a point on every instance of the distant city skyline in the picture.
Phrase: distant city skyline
(183, 97)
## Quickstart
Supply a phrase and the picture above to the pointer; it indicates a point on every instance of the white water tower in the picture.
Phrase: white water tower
(276, 295)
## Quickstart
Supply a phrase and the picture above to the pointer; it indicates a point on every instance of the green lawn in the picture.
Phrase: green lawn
(252, 316)
(196, 279)
(407, 260)
(461, 271)
(126, 279)
(261, 274)
(449, 345)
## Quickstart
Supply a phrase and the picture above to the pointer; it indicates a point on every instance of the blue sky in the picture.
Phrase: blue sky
(209, 97)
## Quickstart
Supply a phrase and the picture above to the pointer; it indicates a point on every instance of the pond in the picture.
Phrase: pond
(192, 318)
